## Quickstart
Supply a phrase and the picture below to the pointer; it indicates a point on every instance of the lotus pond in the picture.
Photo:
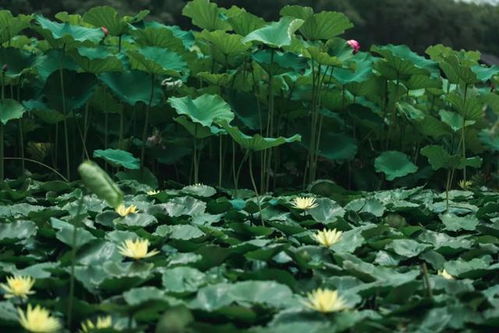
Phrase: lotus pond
(240, 175)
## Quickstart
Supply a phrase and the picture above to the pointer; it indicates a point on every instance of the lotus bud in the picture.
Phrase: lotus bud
(99, 182)
(104, 30)
(354, 45)
(5, 68)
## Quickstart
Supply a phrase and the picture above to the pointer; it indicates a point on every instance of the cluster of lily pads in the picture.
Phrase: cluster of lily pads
(205, 259)
(291, 96)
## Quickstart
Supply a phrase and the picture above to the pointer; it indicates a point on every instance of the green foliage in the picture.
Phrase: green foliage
(215, 259)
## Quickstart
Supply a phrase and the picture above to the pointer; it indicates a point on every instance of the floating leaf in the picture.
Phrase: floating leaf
(276, 34)
(118, 157)
(394, 164)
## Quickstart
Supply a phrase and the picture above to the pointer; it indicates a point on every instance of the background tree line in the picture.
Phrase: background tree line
(417, 23)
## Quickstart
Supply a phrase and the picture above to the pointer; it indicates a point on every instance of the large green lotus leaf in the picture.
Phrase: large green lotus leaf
(257, 142)
(132, 87)
(183, 206)
(123, 276)
(106, 16)
(19, 209)
(459, 69)
(65, 34)
(205, 109)
(183, 280)
(300, 12)
(267, 293)
(142, 295)
(325, 25)
(136, 220)
(11, 26)
(385, 276)
(439, 158)
(105, 102)
(97, 60)
(337, 146)
(358, 69)
(407, 247)
(394, 164)
(485, 73)
(144, 176)
(275, 34)
(156, 60)
(323, 58)
(467, 269)
(228, 44)
(490, 139)
(65, 232)
(420, 81)
(52, 61)
(74, 19)
(205, 14)
(9, 315)
(362, 205)
(17, 230)
(472, 107)
(118, 157)
(161, 36)
(349, 241)
(453, 222)
(402, 61)
(18, 61)
(243, 22)
(197, 131)
(454, 120)
(97, 252)
(10, 109)
(78, 88)
(327, 211)
(279, 62)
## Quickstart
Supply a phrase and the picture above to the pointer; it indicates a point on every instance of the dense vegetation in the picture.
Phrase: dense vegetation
(287, 108)
(416, 23)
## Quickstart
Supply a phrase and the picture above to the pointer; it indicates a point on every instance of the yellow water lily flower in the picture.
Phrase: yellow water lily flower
(136, 249)
(18, 286)
(327, 237)
(325, 300)
(465, 184)
(102, 322)
(38, 320)
(124, 210)
(304, 203)
(443, 273)
(152, 192)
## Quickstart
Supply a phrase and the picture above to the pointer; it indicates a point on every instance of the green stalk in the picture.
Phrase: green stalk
(85, 130)
(424, 268)
(146, 124)
(463, 137)
(220, 160)
(267, 160)
(76, 225)
(194, 155)
(252, 177)
(121, 144)
(21, 145)
(65, 121)
(2, 171)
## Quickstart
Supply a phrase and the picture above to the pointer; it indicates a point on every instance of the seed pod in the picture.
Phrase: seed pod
(99, 182)
(5, 68)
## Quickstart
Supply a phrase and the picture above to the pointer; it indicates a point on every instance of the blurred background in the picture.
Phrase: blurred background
(465, 24)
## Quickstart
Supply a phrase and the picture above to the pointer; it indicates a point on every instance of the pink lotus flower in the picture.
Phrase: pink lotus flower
(104, 30)
(354, 45)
